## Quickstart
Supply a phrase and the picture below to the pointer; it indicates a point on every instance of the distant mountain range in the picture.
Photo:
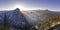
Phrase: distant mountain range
(35, 16)
(20, 19)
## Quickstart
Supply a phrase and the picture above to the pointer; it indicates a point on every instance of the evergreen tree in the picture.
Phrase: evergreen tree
(5, 23)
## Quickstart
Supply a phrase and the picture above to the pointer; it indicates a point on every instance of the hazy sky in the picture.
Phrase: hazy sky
(30, 4)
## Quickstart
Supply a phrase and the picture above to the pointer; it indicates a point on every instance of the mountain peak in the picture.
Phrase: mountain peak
(17, 9)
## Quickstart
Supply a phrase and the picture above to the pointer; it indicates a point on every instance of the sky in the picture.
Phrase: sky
(30, 4)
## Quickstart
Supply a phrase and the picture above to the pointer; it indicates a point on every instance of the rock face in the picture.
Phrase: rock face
(56, 27)
(35, 17)
(18, 19)
(15, 19)
(1, 18)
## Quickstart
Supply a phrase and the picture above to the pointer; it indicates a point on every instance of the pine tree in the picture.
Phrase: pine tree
(5, 23)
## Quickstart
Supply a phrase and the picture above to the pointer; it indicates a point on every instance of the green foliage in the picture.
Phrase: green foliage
(5, 26)
(6, 23)
(45, 25)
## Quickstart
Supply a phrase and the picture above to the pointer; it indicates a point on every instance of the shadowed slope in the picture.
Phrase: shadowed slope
(16, 19)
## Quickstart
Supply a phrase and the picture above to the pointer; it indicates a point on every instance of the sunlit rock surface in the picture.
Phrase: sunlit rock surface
(22, 19)
(35, 16)
(38, 16)
(56, 27)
